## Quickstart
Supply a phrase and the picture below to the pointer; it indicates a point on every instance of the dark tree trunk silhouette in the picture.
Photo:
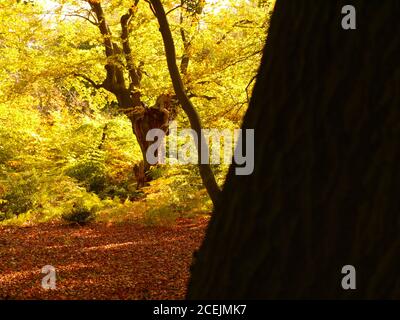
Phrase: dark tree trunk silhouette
(325, 189)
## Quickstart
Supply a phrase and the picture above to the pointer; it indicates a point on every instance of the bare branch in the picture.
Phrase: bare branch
(173, 9)
(93, 83)
(201, 96)
(151, 6)
(242, 59)
(248, 86)
(83, 17)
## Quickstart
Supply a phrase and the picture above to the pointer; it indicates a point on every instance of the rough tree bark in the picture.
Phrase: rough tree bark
(324, 192)
(206, 172)
(128, 94)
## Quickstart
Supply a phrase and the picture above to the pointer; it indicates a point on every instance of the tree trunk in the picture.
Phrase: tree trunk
(325, 189)
(145, 119)
(142, 118)
(206, 172)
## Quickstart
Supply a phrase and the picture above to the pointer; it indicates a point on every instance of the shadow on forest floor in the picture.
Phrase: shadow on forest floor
(99, 261)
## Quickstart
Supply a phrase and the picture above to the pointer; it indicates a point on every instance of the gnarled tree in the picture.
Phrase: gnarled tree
(123, 79)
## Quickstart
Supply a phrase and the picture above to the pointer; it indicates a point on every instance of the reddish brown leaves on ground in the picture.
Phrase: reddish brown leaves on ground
(125, 261)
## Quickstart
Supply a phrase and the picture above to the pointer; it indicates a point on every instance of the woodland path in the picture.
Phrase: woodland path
(99, 261)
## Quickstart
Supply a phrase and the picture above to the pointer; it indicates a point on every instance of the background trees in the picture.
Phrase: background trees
(324, 189)
(63, 130)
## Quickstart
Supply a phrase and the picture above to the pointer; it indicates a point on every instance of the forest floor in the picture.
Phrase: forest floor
(100, 260)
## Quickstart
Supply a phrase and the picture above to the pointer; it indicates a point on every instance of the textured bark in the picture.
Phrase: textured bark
(206, 172)
(128, 95)
(325, 189)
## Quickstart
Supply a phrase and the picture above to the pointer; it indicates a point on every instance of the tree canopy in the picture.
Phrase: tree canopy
(66, 134)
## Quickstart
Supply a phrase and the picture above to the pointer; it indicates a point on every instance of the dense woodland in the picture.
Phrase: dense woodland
(82, 83)
(72, 134)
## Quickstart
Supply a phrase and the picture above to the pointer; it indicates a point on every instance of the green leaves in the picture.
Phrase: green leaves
(51, 122)
(80, 213)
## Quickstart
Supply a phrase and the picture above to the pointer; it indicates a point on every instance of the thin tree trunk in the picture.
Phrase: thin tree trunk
(205, 169)
(325, 189)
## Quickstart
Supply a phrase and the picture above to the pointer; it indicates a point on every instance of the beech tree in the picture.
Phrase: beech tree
(324, 193)
(128, 92)
(79, 76)
(127, 88)
(201, 143)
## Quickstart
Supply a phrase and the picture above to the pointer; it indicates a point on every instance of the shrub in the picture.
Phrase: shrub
(156, 172)
(161, 216)
(4, 215)
(19, 196)
(80, 214)
(90, 170)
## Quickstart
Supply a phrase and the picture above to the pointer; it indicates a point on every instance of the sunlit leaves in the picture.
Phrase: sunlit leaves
(51, 119)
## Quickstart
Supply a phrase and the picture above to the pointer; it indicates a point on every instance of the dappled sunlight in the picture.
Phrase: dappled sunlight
(100, 261)
(135, 243)
(9, 278)
(83, 84)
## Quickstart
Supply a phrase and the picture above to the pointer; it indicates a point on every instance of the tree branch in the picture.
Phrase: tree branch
(173, 9)
(151, 6)
(134, 75)
(242, 59)
(186, 46)
(248, 86)
(83, 17)
(115, 79)
(93, 83)
(193, 95)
